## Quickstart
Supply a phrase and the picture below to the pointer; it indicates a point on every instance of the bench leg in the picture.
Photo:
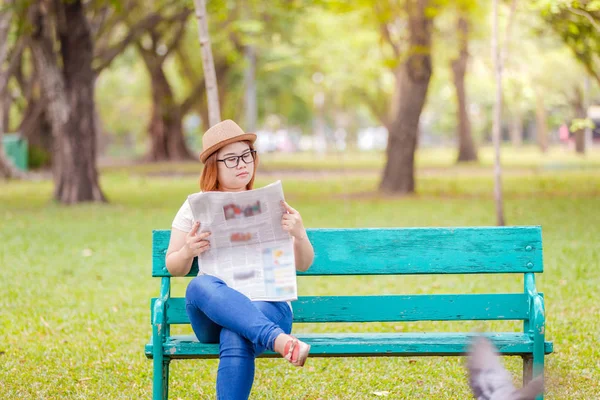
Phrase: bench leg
(529, 361)
(538, 364)
(166, 379)
(160, 383)
(527, 369)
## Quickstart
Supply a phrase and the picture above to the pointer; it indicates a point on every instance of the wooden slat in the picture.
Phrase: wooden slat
(389, 308)
(410, 251)
(369, 344)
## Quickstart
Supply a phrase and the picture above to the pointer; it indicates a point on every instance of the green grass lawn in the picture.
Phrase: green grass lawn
(76, 283)
(434, 160)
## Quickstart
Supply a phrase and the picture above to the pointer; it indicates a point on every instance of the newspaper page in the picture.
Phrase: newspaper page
(249, 250)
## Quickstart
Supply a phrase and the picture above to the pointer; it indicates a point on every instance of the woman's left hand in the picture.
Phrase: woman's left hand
(292, 222)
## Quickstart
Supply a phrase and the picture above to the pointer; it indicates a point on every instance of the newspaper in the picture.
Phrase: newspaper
(249, 250)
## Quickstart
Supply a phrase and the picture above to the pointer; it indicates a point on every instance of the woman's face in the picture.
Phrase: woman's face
(234, 178)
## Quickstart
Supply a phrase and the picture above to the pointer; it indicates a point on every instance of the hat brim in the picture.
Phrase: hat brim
(251, 137)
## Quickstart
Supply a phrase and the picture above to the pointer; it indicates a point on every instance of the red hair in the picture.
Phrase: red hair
(209, 180)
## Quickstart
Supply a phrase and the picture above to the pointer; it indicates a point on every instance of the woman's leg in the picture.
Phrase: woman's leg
(231, 310)
(205, 329)
(237, 354)
(279, 312)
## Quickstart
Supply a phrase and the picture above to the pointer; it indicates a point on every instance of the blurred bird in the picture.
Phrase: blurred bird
(488, 378)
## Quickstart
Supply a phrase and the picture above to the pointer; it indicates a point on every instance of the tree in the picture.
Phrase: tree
(499, 55)
(257, 22)
(578, 24)
(541, 122)
(412, 77)
(106, 23)
(466, 146)
(167, 141)
(67, 81)
(270, 58)
(580, 114)
(497, 118)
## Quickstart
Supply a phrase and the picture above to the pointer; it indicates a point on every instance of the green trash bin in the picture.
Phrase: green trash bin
(15, 148)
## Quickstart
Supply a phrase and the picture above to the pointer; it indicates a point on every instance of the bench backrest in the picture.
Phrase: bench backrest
(404, 251)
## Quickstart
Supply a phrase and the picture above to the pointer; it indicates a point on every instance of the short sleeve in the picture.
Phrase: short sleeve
(184, 220)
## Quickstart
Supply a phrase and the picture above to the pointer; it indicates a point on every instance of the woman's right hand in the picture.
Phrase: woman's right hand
(196, 243)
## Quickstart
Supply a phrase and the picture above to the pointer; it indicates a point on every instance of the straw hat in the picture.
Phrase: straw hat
(222, 134)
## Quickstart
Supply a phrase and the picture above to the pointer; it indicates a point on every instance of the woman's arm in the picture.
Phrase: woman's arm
(183, 247)
(303, 253)
(303, 249)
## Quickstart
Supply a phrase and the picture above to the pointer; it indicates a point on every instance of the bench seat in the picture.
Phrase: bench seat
(367, 345)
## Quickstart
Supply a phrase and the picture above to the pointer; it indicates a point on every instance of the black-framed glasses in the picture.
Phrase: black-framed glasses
(234, 161)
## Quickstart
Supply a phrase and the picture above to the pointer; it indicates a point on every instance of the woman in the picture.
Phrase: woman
(242, 327)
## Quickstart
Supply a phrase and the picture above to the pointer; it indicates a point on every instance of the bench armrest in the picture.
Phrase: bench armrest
(537, 318)
(160, 327)
(536, 326)
(537, 313)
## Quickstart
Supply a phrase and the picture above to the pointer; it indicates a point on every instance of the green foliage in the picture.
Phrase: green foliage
(581, 123)
(125, 90)
(578, 24)
(296, 40)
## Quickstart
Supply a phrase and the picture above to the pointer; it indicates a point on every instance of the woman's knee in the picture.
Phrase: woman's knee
(279, 313)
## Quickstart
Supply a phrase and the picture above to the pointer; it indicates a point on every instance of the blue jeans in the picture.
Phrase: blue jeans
(243, 328)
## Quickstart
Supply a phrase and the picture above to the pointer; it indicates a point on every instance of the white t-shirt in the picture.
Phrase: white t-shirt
(184, 219)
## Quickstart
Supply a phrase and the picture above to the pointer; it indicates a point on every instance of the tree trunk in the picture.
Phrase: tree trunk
(70, 100)
(516, 130)
(36, 128)
(498, 64)
(580, 113)
(34, 125)
(6, 104)
(588, 142)
(250, 80)
(466, 147)
(210, 77)
(167, 142)
(541, 122)
(412, 82)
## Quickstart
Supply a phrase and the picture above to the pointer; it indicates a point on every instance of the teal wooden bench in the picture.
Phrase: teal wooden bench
(479, 250)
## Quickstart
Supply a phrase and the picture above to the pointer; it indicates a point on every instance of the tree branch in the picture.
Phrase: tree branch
(13, 64)
(185, 65)
(5, 19)
(587, 15)
(178, 35)
(378, 109)
(592, 72)
(148, 56)
(98, 22)
(385, 31)
(106, 56)
(198, 91)
(221, 70)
